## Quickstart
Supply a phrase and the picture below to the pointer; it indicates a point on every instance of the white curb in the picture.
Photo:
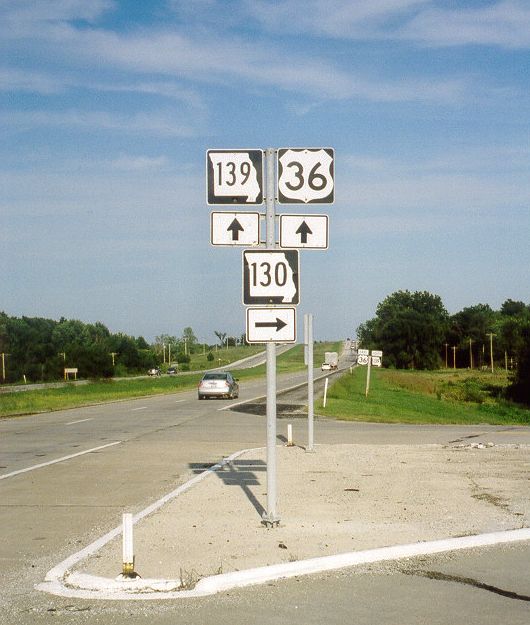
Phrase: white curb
(91, 587)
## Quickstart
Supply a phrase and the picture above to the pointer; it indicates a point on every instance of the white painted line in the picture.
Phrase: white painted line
(178, 401)
(80, 421)
(46, 464)
(278, 392)
(243, 401)
(55, 578)
(142, 408)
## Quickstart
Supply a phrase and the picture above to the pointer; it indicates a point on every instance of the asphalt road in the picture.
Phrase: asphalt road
(124, 455)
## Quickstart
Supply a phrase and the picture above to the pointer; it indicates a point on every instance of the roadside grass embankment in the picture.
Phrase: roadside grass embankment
(436, 397)
(97, 392)
(222, 357)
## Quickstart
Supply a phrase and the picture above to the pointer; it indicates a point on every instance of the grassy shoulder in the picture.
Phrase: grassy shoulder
(446, 396)
(72, 396)
(222, 357)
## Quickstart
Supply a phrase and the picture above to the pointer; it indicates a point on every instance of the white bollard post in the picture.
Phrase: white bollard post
(325, 391)
(290, 435)
(128, 549)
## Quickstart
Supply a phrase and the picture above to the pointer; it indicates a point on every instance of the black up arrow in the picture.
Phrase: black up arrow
(278, 324)
(236, 228)
(303, 231)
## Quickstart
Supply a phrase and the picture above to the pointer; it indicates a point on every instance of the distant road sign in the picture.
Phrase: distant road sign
(363, 352)
(228, 228)
(271, 277)
(234, 176)
(362, 359)
(271, 325)
(377, 357)
(304, 231)
(306, 175)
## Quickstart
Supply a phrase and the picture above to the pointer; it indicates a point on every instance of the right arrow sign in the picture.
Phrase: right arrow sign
(271, 325)
(304, 231)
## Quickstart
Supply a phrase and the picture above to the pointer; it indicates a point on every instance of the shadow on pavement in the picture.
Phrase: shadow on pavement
(240, 473)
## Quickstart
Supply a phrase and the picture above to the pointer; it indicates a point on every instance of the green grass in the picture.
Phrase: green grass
(464, 397)
(72, 396)
(222, 357)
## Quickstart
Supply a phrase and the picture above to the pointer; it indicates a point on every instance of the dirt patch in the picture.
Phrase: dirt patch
(341, 498)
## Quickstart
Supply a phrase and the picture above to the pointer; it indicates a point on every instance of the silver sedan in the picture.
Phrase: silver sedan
(218, 384)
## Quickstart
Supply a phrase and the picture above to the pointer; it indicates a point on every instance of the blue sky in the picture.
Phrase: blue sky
(108, 108)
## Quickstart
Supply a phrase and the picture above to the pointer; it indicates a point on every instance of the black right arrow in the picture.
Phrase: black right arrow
(278, 324)
(236, 228)
(303, 231)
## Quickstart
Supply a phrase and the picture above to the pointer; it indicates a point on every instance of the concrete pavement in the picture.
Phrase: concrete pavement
(342, 506)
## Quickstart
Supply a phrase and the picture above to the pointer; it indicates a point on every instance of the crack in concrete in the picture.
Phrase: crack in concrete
(444, 577)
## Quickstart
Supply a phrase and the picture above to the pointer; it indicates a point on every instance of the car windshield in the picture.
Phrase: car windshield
(215, 376)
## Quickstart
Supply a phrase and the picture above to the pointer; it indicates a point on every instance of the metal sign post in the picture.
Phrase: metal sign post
(308, 333)
(368, 376)
(271, 517)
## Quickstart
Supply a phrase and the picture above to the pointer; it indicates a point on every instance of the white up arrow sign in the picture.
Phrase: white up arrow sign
(304, 231)
(227, 228)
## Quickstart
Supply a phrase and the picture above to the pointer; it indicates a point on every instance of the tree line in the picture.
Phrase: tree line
(415, 331)
(38, 349)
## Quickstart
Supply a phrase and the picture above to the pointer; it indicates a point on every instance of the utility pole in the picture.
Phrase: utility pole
(470, 355)
(446, 345)
(491, 335)
(4, 366)
(454, 356)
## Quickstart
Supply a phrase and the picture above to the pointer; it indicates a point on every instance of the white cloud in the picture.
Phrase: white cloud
(24, 16)
(19, 80)
(505, 24)
(331, 18)
(139, 163)
(165, 89)
(154, 123)
(461, 190)
(211, 58)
